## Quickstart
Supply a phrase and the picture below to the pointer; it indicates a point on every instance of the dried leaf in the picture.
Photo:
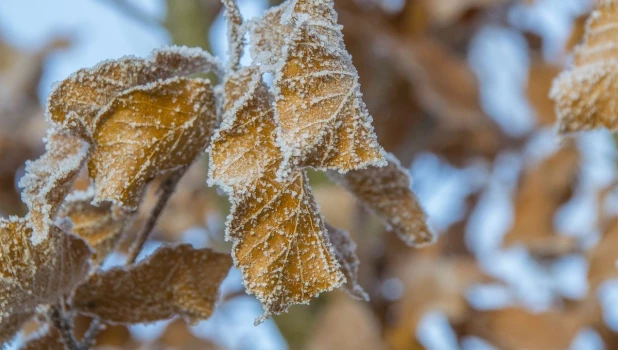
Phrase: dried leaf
(323, 121)
(77, 100)
(585, 94)
(280, 243)
(146, 131)
(268, 36)
(386, 191)
(99, 225)
(603, 257)
(346, 325)
(345, 252)
(30, 274)
(543, 190)
(49, 179)
(175, 280)
(11, 324)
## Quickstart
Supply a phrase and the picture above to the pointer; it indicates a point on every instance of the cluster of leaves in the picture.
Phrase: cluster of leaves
(131, 121)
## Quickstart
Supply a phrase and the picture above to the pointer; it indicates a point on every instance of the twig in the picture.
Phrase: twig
(165, 192)
(63, 324)
(89, 337)
(235, 37)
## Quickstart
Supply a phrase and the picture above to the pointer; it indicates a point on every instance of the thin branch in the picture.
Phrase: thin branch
(165, 192)
(64, 325)
(89, 337)
(235, 37)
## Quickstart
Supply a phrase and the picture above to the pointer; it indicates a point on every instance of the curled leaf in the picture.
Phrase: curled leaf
(174, 280)
(386, 192)
(146, 131)
(30, 274)
(100, 225)
(323, 121)
(345, 252)
(76, 101)
(280, 243)
(585, 94)
(49, 179)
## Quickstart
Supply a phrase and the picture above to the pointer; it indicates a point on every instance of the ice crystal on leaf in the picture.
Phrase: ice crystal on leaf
(345, 252)
(322, 119)
(31, 275)
(585, 94)
(386, 191)
(49, 179)
(76, 101)
(100, 225)
(280, 242)
(174, 280)
(146, 131)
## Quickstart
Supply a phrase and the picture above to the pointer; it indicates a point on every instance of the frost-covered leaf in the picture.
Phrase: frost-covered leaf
(36, 274)
(585, 95)
(386, 191)
(280, 243)
(100, 225)
(242, 149)
(345, 252)
(268, 35)
(323, 121)
(146, 131)
(174, 280)
(77, 100)
(49, 179)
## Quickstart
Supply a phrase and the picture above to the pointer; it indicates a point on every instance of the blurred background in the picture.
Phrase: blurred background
(458, 89)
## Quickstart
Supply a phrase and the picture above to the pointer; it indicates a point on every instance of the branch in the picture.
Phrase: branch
(64, 325)
(235, 37)
(165, 192)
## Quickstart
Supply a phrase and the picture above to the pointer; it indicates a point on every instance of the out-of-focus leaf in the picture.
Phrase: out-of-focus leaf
(585, 94)
(345, 252)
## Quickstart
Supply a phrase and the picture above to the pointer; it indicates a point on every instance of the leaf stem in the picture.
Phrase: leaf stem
(64, 325)
(166, 190)
(235, 37)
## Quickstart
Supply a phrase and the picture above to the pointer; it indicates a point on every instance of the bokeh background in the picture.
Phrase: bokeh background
(458, 89)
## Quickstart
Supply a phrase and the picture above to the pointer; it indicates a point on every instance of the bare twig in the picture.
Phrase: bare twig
(235, 37)
(165, 192)
(60, 320)
(89, 337)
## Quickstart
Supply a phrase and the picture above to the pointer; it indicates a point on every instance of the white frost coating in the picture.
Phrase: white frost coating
(49, 179)
(322, 121)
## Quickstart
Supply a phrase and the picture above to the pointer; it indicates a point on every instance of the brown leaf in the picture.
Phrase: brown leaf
(386, 191)
(517, 328)
(280, 243)
(11, 324)
(77, 100)
(603, 258)
(99, 225)
(174, 280)
(177, 335)
(322, 119)
(345, 252)
(146, 131)
(542, 191)
(346, 325)
(268, 35)
(585, 94)
(50, 178)
(36, 274)
(540, 80)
